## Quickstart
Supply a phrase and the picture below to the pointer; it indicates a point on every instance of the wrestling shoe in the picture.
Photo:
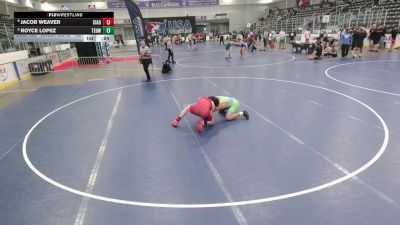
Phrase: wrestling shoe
(174, 123)
(246, 114)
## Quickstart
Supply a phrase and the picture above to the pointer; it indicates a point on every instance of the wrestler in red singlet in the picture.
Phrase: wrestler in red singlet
(203, 108)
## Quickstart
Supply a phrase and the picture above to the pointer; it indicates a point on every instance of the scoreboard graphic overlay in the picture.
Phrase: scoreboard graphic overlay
(64, 26)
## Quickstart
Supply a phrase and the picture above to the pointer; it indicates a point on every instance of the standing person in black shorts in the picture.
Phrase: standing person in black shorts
(358, 41)
(375, 36)
(393, 36)
(221, 39)
(145, 58)
(265, 38)
(170, 52)
(292, 37)
(346, 39)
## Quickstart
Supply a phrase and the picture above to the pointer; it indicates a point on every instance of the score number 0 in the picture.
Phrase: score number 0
(108, 21)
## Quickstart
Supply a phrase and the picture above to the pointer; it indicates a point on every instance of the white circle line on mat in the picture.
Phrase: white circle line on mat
(236, 67)
(357, 86)
(209, 205)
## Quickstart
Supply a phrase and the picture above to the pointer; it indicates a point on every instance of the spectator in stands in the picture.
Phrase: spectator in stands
(282, 36)
(259, 43)
(149, 40)
(250, 41)
(375, 36)
(174, 39)
(325, 40)
(228, 50)
(307, 36)
(170, 52)
(243, 47)
(301, 4)
(330, 50)
(317, 52)
(190, 39)
(271, 40)
(382, 31)
(274, 35)
(358, 41)
(239, 36)
(393, 36)
(265, 38)
(194, 41)
(345, 39)
(221, 39)
(165, 41)
(292, 37)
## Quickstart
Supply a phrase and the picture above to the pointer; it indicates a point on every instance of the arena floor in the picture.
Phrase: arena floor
(321, 146)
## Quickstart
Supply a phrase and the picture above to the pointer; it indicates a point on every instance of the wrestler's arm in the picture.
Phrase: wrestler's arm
(212, 119)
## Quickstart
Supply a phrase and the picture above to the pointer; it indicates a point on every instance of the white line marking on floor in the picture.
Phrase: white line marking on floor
(371, 125)
(378, 193)
(311, 61)
(310, 101)
(9, 150)
(296, 139)
(344, 113)
(357, 86)
(80, 217)
(237, 67)
(374, 80)
(332, 183)
(317, 103)
(218, 179)
(355, 118)
(335, 164)
(365, 122)
(386, 71)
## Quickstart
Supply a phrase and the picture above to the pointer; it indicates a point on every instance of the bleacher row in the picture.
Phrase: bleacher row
(343, 14)
(6, 28)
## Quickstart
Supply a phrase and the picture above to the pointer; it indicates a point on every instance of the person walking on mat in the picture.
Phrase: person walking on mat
(346, 38)
(145, 58)
(170, 52)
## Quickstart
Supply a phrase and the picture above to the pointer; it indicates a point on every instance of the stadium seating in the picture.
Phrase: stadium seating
(342, 13)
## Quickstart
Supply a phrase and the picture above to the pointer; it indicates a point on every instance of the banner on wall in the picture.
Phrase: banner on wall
(7, 73)
(137, 21)
(170, 25)
(165, 3)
